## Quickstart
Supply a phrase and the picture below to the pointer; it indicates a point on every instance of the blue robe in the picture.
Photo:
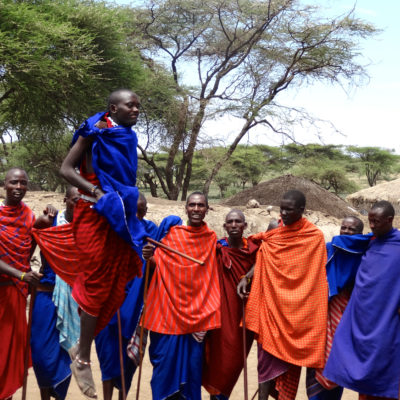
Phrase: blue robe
(365, 355)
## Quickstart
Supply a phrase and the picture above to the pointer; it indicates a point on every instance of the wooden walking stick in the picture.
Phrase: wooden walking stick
(246, 391)
(28, 343)
(121, 357)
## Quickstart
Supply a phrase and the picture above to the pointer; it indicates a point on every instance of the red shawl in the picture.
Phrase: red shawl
(224, 347)
(184, 297)
(16, 224)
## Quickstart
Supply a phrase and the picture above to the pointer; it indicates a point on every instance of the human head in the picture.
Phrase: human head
(71, 198)
(141, 210)
(235, 224)
(124, 105)
(15, 185)
(292, 206)
(196, 208)
(351, 226)
(380, 218)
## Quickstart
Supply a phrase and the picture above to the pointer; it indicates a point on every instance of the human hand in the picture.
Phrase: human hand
(242, 288)
(50, 211)
(98, 194)
(32, 277)
(148, 251)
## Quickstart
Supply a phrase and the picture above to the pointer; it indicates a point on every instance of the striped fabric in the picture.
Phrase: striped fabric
(287, 384)
(184, 297)
(287, 305)
(336, 309)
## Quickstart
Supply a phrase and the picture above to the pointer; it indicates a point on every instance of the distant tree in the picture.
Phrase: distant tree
(374, 161)
(242, 55)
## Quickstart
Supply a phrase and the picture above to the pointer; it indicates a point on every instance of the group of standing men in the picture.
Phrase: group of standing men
(297, 287)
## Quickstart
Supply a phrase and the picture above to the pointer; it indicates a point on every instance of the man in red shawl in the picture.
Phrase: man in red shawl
(16, 222)
(183, 303)
(105, 227)
(288, 302)
(224, 347)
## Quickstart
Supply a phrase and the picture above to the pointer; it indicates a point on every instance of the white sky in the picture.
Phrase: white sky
(367, 116)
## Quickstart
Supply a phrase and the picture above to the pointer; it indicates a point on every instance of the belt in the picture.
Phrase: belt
(6, 283)
(44, 288)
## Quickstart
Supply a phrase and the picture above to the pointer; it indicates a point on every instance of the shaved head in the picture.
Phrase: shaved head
(238, 212)
(117, 95)
(11, 171)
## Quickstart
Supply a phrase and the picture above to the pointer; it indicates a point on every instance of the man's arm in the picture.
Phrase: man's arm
(30, 277)
(72, 160)
(244, 283)
(47, 218)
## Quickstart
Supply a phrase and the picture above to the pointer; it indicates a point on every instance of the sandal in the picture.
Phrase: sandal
(85, 383)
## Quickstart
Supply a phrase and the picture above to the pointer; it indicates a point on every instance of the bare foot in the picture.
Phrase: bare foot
(73, 351)
(84, 378)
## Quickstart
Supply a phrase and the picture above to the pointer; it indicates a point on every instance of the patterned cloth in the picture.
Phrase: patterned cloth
(287, 305)
(184, 297)
(365, 355)
(15, 246)
(223, 360)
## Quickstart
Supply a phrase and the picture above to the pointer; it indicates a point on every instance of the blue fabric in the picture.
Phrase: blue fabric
(177, 366)
(114, 160)
(50, 360)
(223, 242)
(107, 346)
(365, 355)
(334, 394)
(344, 257)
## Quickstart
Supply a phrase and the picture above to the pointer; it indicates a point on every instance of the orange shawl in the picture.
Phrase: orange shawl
(288, 302)
(184, 297)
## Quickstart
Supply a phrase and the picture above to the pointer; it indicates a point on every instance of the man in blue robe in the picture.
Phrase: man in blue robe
(365, 355)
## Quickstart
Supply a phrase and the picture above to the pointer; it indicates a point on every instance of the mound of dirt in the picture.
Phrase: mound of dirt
(364, 199)
(318, 199)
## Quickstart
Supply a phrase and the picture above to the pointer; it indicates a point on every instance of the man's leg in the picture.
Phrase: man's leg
(108, 389)
(81, 365)
(263, 390)
(45, 393)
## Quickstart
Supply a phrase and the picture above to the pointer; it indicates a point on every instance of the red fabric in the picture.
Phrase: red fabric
(287, 306)
(13, 334)
(224, 347)
(93, 259)
(287, 384)
(16, 224)
(184, 297)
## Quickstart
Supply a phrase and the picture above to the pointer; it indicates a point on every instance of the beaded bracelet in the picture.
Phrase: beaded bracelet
(93, 190)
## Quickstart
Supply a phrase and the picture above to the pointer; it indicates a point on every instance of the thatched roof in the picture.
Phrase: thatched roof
(365, 198)
(271, 192)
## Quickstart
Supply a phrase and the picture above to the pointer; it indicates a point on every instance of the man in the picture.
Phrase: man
(365, 355)
(224, 347)
(183, 303)
(106, 232)
(16, 222)
(107, 344)
(344, 256)
(50, 360)
(287, 305)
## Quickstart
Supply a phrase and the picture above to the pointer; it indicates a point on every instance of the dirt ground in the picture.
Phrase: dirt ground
(257, 219)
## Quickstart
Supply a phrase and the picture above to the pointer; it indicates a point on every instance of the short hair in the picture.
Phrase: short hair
(199, 193)
(115, 96)
(142, 198)
(386, 206)
(239, 212)
(297, 196)
(359, 223)
(68, 191)
(15, 169)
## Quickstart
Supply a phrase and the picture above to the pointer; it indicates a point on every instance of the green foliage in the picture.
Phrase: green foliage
(374, 161)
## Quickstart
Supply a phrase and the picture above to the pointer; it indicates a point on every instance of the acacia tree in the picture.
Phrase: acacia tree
(238, 55)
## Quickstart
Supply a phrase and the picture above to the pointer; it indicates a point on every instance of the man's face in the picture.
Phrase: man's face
(349, 227)
(235, 225)
(141, 209)
(290, 212)
(196, 209)
(15, 185)
(379, 223)
(126, 111)
(72, 199)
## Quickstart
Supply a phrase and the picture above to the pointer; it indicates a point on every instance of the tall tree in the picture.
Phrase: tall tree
(238, 55)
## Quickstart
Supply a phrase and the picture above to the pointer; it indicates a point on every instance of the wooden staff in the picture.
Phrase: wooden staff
(246, 391)
(146, 280)
(121, 357)
(162, 245)
(28, 343)
(255, 394)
